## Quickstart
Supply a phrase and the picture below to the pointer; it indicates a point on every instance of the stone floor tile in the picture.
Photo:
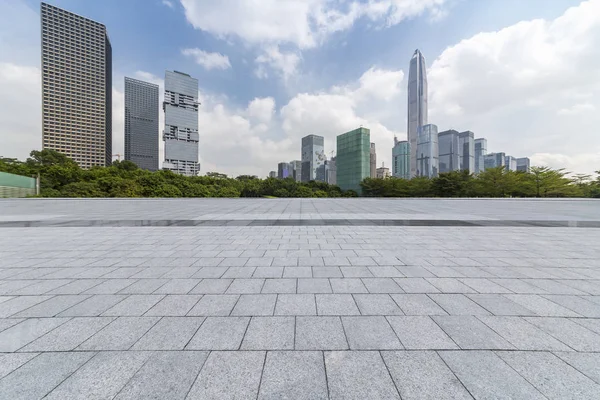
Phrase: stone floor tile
(20, 303)
(568, 332)
(19, 335)
(219, 333)
(245, 286)
(336, 304)
(174, 305)
(385, 272)
(255, 304)
(358, 375)
(317, 285)
(519, 286)
(295, 304)
(51, 307)
(370, 333)
(420, 333)
(471, 334)
(143, 286)
(416, 285)
(297, 272)
(417, 304)
(214, 305)
(170, 333)
(450, 285)
(382, 285)
(554, 378)
(485, 286)
(279, 286)
(586, 363)
(260, 262)
(177, 286)
(593, 324)
(347, 285)
(11, 361)
(270, 333)
(211, 286)
(487, 376)
(356, 272)
(497, 304)
(326, 272)
(458, 304)
(268, 272)
(110, 286)
(320, 333)
(209, 271)
(306, 261)
(239, 272)
(541, 306)
(76, 286)
(102, 377)
(134, 305)
(286, 262)
(120, 334)
(166, 375)
(377, 304)
(553, 287)
(423, 375)
(578, 304)
(39, 376)
(229, 375)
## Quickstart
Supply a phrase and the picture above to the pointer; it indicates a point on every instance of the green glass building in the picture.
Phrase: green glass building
(353, 159)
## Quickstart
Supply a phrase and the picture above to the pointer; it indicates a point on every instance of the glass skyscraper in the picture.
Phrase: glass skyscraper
(427, 151)
(76, 87)
(353, 159)
(285, 170)
(313, 158)
(449, 157)
(181, 124)
(480, 151)
(401, 159)
(523, 164)
(510, 163)
(466, 151)
(417, 104)
(141, 123)
(494, 160)
(296, 170)
(330, 171)
(373, 161)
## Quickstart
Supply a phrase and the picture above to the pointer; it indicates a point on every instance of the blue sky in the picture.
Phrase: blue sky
(271, 74)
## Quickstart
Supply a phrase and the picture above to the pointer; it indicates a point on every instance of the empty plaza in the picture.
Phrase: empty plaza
(299, 299)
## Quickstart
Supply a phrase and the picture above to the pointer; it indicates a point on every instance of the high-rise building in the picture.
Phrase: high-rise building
(313, 158)
(480, 151)
(417, 104)
(330, 171)
(494, 160)
(383, 172)
(353, 159)
(141, 123)
(285, 170)
(181, 124)
(427, 151)
(449, 154)
(510, 163)
(76, 87)
(523, 164)
(401, 159)
(296, 170)
(272, 174)
(373, 161)
(466, 151)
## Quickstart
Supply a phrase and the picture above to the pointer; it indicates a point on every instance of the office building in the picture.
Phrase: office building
(427, 151)
(510, 163)
(272, 174)
(141, 123)
(480, 152)
(353, 159)
(373, 161)
(466, 151)
(313, 158)
(523, 164)
(76, 87)
(417, 104)
(401, 159)
(449, 154)
(330, 171)
(494, 160)
(181, 124)
(296, 170)
(285, 170)
(383, 172)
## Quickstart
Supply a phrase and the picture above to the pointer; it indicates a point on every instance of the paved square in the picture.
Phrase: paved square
(299, 299)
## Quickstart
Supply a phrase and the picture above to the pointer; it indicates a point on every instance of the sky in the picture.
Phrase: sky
(525, 75)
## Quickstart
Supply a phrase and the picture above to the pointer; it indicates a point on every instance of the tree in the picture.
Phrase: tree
(452, 184)
(216, 175)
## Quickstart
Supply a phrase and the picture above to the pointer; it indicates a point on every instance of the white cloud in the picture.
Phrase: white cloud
(208, 60)
(168, 3)
(577, 109)
(262, 109)
(284, 63)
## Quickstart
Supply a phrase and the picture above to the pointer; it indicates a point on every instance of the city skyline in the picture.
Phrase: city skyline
(282, 112)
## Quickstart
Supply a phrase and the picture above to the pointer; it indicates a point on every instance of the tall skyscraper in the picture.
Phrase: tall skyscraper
(401, 159)
(373, 161)
(427, 151)
(353, 159)
(510, 163)
(480, 151)
(466, 151)
(141, 123)
(181, 124)
(523, 164)
(330, 171)
(285, 170)
(449, 155)
(296, 170)
(313, 158)
(272, 174)
(417, 104)
(494, 160)
(76, 87)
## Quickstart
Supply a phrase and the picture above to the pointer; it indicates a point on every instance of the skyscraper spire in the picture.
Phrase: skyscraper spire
(417, 104)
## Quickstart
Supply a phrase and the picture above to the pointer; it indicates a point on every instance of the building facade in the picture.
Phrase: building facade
(480, 152)
(373, 161)
(313, 158)
(296, 170)
(181, 124)
(494, 160)
(510, 163)
(330, 171)
(523, 164)
(383, 172)
(141, 123)
(76, 87)
(401, 159)
(417, 104)
(272, 174)
(285, 170)
(427, 151)
(466, 151)
(449, 157)
(353, 159)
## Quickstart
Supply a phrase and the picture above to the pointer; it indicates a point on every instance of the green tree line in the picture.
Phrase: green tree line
(62, 177)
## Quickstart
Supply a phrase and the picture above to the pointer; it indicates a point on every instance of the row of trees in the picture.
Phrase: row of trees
(62, 177)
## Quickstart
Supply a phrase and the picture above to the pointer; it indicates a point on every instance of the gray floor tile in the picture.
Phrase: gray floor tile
(297, 272)
(458, 304)
(177, 286)
(471, 334)
(269, 333)
(134, 306)
(541, 306)
(336, 304)
(586, 363)
(211, 286)
(317, 285)
(279, 286)
(93, 306)
(19, 335)
(450, 285)
(245, 286)
(348, 285)
(51, 307)
(20, 303)
(320, 333)
(420, 333)
(382, 285)
(522, 334)
(497, 304)
(568, 332)
(295, 304)
(255, 304)
(144, 286)
(214, 305)
(174, 305)
(377, 304)
(356, 272)
(326, 272)
(578, 304)
(170, 333)
(417, 304)
(11, 361)
(219, 333)
(370, 333)
(120, 334)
